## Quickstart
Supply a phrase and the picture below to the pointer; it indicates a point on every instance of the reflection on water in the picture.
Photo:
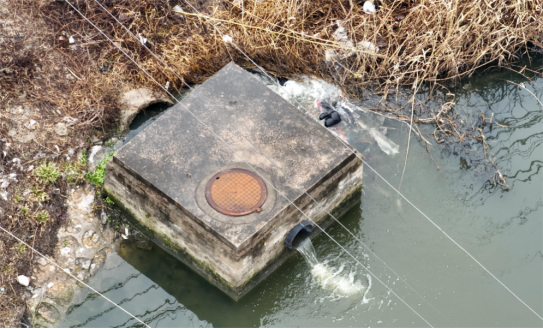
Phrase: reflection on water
(501, 227)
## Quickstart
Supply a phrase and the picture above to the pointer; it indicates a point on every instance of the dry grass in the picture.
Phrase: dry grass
(419, 41)
(422, 44)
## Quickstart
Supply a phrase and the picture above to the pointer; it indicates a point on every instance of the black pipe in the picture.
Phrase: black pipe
(298, 234)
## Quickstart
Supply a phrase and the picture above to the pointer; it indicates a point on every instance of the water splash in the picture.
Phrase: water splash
(308, 90)
(329, 278)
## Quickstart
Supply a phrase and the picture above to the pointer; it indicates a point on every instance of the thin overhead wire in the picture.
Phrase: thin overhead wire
(304, 190)
(349, 148)
(73, 276)
(341, 224)
(248, 164)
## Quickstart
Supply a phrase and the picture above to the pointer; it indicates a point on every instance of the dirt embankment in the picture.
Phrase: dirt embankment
(60, 79)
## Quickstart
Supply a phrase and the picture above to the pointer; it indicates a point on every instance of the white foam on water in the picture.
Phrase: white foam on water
(304, 92)
(339, 284)
(307, 91)
(330, 278)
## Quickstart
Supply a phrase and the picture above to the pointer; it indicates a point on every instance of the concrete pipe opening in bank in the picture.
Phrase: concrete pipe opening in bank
(298, 234)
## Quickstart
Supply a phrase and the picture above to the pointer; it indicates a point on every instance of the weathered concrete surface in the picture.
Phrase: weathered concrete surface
(82, 253)
(156, 177)
(135, 100)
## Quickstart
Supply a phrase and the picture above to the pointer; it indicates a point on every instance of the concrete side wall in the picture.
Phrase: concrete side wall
(162, 221)
(337, 194)
(173, 229)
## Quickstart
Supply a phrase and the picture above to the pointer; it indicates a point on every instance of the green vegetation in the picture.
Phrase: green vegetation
(83, 159)
(42, 217)
(47, 173)
(74, 174)
(97, 178)
(109, 201)
(21, 248)
(24, 210)
(8, 269)
(39, 195)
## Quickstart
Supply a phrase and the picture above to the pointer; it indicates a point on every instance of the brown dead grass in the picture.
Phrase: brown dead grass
(421, 43)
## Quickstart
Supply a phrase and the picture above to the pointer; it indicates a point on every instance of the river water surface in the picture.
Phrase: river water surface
(502, 228)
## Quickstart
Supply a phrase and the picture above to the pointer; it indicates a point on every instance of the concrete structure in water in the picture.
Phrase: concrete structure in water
(195, 198)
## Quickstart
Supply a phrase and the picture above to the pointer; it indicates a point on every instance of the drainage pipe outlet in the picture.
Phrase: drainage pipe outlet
(298, 234)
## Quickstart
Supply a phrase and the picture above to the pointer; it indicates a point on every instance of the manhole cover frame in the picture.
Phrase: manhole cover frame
(255, 208)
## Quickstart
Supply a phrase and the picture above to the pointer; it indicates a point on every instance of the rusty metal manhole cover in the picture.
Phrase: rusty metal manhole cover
(236, 192)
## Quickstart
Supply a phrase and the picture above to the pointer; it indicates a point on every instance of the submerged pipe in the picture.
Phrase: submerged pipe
(298, 234)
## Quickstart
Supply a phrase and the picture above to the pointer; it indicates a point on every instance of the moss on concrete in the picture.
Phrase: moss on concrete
(200, 267)
(346, 201)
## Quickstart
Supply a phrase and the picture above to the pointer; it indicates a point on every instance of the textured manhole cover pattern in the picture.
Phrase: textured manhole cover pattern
(236, 192)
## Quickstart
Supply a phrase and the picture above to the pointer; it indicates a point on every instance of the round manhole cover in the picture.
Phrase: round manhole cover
(236, 192)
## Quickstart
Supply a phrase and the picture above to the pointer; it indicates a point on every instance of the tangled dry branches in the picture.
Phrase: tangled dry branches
(418, 41)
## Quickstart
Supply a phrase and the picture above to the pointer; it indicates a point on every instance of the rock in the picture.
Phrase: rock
(86, 203)
(48, 313)
(23, 280)
(61, 129)
(98, 261)
(61, 293)
(83, 262)
(65, 251)
(91, 239)
(141, 241)
(12, 132)
(42, 261)
(136, 100)
(82, 275)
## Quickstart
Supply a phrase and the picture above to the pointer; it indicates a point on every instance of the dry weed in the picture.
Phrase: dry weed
(419, 41)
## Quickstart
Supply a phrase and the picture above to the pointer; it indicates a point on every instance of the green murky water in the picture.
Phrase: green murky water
(503, 229)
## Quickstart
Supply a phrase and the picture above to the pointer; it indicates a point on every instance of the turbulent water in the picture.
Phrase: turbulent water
(328, 278)
(501, 227)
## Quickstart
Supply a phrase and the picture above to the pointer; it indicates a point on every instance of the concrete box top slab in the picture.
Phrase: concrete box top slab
(175, 153)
